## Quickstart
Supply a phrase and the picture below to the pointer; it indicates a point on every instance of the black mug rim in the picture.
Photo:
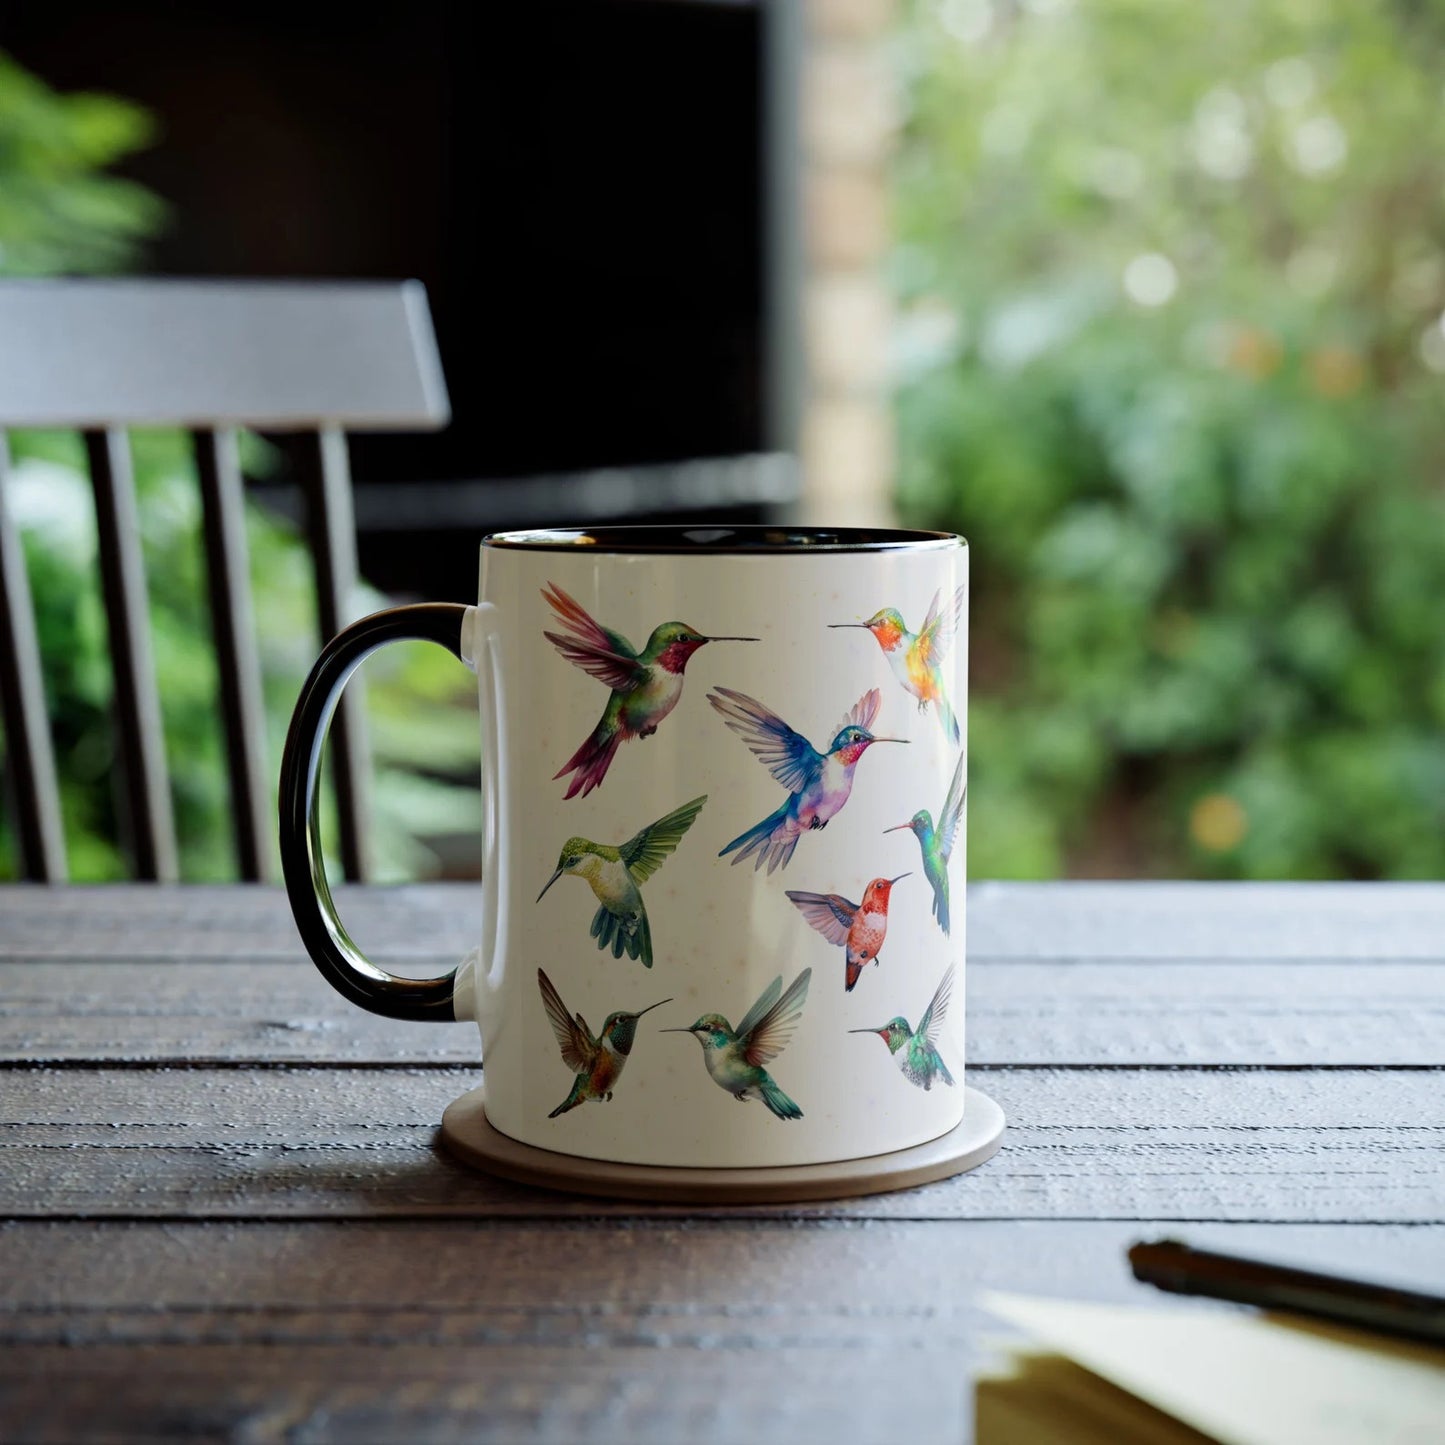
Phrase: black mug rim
(700, 539)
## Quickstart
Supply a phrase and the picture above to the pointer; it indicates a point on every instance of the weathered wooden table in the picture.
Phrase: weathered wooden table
(226, 1216)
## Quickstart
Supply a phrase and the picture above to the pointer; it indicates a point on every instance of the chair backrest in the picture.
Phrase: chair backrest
(102, 356)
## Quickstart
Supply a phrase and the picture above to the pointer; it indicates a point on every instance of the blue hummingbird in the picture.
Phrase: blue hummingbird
(818, 783)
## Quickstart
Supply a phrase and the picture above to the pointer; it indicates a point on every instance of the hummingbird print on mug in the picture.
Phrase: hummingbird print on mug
(597, 1062)
(858, 928)
(645, 685)
(615, 875)
(936, 841)
(818, 783)
(735, 1057)
(917, 657)
(915, 1051)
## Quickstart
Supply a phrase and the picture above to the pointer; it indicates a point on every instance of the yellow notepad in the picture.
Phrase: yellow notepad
(1120, 1374)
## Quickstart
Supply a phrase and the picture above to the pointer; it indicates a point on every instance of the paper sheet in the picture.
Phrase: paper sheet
(1249, 1379)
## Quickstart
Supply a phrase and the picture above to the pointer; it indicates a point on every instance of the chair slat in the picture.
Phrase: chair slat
(331, 529)
(276, 355)
(145, 793)
(29, 760)
(218, 464)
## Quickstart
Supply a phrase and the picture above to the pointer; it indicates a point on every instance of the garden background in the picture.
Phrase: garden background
(1170, 348)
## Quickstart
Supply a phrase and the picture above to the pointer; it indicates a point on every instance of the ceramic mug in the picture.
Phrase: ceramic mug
(724, 784)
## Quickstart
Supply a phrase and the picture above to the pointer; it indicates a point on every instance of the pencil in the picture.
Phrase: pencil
(1170, 1265)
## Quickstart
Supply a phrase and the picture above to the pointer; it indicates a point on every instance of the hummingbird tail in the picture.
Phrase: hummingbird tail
(613, 932)
(577, 1096)
(947, 718)
(940, 904)
(943, 1071)
(765, 842)
(777, 1100)
(590, 762)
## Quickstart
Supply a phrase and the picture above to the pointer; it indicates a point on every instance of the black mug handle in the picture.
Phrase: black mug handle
(345, 967)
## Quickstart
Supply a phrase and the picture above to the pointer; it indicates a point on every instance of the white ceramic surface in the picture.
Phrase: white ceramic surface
(721, 932)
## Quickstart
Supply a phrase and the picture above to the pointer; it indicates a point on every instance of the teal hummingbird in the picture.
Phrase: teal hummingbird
(645, 685)
(735, 1057)
(915, 1051)
(818, 783)
(597, 1062)
(936, 842)
(615, 876)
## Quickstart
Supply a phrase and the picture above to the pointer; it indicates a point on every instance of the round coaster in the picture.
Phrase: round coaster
(468, 1135)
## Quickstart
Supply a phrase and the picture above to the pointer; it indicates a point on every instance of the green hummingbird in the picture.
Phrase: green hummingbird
(615, 873)
(916, 1051)
(936, 843)
(735, 1058)
(645, 685)
(597, 1062)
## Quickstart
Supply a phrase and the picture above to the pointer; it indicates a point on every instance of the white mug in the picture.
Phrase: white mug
(723, 852)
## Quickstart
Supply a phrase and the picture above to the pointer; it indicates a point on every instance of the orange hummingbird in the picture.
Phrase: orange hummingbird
(859, 929)
(917, 657)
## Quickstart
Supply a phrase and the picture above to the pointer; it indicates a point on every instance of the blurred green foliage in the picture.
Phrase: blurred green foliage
(59, 210)
(1172, 281)
(60, 213)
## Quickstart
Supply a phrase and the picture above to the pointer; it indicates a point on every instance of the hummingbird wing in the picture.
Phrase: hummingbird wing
(598, 651)
(862, 713)
(932, 1020)
(787, 755)
(766, 1000)
(764, 1039)
(947, 829)
(936, 635)
(574, 1038)
(830, 913)
(644, 852)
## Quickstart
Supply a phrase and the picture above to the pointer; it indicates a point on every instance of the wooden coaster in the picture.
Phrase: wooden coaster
(467, 1134)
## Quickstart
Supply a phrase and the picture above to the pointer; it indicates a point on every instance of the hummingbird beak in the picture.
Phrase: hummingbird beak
(865, 628)
(550, 882)
(650, 1008)
(888, 740)
(674, 1031)
(865, 1031)
(732, 639)
(901, 876)
(897, 827)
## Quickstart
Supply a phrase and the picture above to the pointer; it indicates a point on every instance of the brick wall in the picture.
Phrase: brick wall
(848, 120)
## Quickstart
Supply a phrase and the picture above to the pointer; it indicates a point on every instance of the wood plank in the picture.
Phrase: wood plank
(31, 787)
(609, 1329)
(626, 1275)
(278, 355)
(1094, 1014)
(562, 1395)
(238, 665)
(1064, 922)
(1275, 1146)
(1177, 921)
(228, 921)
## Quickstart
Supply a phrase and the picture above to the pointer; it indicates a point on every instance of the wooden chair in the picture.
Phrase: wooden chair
(101, 356)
